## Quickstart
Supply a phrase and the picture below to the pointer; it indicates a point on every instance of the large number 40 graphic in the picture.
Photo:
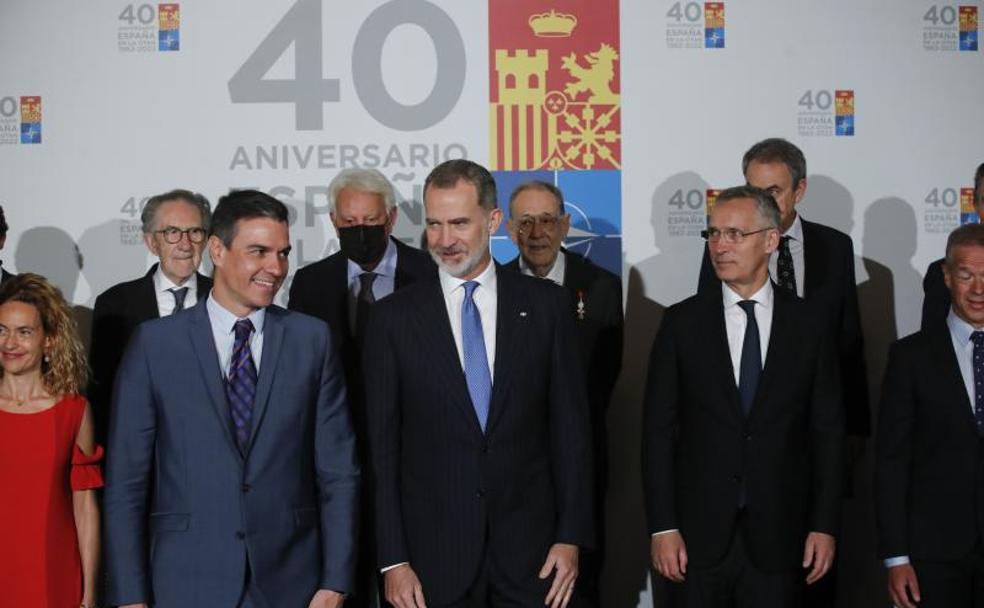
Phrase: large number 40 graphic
(309, 89)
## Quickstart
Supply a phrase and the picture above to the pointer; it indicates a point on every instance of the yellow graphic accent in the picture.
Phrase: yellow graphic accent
(552, 24)
(966, 200)
(30, 109)
(711, 197)
(844, 103)
(536, 128)
(714, 14)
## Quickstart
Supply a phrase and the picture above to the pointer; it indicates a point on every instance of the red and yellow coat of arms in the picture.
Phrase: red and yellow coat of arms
(554, 85)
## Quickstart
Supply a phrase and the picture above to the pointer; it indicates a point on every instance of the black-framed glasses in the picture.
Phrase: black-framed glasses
(730, 235)
(546, 222)
(173, 235)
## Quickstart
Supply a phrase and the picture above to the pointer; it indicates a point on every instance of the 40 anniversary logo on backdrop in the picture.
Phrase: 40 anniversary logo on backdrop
(554, 115)
(20, 119)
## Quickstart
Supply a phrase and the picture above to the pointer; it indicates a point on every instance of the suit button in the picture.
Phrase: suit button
(748, 436)
(480, 494)
(240, 534)
(247, 487)
(486, 449)
(736, 478)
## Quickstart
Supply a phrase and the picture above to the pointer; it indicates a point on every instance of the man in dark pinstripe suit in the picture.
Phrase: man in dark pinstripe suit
(478, 421)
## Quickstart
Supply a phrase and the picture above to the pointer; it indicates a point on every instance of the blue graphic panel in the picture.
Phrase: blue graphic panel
(968, 41)
(844, 125)
(169, 40)
(30, 133)
(713, 37)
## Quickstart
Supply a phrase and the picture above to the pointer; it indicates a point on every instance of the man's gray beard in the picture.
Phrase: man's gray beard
(466, 266)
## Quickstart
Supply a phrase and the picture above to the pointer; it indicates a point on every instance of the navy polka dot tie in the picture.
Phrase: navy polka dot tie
(978, 339)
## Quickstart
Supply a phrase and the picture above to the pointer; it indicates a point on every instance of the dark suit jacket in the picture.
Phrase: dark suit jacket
(600, 336)
(116, 313)
(936, 296)
(700, 451)
(321, 290)
(5, 276)
(447, 493)
(927, 468)
(187, 510)
(830, 287)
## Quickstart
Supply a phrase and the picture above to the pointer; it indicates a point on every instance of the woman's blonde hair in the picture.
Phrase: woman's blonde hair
(64, 368)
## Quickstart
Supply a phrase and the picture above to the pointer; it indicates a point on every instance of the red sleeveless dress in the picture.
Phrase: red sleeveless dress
(40, 467)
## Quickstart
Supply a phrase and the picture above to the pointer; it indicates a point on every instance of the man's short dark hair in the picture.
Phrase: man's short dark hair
(3, 224)
(244, 205)
(971, 235)
(776, 149)
(450, 172)
(541, 186)
(978, 184)
(765, 204)
(148, 217)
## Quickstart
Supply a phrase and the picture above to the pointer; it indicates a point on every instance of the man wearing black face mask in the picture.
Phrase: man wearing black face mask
(341, 289)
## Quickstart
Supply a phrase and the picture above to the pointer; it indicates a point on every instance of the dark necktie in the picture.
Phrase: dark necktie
(751, 358)
(364, 298)
(476, 359)
(978, 338)
(241, 383)
(784, 266)
(179, 294)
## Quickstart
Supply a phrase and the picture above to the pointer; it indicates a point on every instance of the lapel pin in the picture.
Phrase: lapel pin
(580, 305)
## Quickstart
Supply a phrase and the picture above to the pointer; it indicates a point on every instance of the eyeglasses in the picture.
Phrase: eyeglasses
(546, 221)
(173, 235)
(730, 235)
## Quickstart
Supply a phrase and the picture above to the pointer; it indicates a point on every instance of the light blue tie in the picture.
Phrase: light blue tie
(476, 360)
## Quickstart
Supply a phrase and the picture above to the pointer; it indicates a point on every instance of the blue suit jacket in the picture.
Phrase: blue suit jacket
(186, 509)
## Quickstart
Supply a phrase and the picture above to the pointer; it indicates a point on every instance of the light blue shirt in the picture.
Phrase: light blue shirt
(223, 323)
(960, 332)
(383, 286)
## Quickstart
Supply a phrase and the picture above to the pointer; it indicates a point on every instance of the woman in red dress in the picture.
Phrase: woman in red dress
(49, 518)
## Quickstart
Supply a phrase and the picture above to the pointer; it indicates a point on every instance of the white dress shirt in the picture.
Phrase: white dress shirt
(735, 321)
(382, 286)
(485, 300)
(556, 273)
(963, 348)
(165, 298)
(795, 234)
(223, 323)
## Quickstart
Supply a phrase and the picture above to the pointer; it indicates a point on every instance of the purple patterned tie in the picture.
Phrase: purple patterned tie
(240, 386)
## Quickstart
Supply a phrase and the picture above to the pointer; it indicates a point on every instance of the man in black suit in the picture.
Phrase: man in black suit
(4, 275)
(936, 296)
(339, 290)
(816, 263)
(174, 225)
(479, 437)
(538, 224)
(743, 427)
(929, 458)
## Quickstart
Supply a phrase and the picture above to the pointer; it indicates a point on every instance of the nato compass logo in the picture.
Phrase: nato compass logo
(593, 200)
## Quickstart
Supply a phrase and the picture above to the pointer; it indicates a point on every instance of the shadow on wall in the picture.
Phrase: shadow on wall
(51, 253)
(113, 251)
(654, 283)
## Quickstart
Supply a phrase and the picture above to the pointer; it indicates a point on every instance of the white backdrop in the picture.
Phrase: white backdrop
(404, 84)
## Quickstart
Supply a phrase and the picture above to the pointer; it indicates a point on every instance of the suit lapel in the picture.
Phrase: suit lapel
(147, 302)
(273, 337)
(781, 342)
(200, 336)
(510, 305)
(716, 336)
(950, 379)
(815, 256)
(435, 331)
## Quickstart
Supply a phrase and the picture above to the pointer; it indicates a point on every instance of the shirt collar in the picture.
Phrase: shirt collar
(959, 329)
(556, 272)
(795, 231)
(764, 296)
(386, 266)
(226, 321)
(162, 283)
(486, 279)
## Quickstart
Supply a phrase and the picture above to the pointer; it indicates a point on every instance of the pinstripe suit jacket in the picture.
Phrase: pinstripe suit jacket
(445, 492)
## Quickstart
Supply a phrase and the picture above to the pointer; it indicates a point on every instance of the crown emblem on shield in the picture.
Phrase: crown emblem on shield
(552, 24)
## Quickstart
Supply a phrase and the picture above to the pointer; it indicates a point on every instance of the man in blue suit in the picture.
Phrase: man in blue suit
(232, 478)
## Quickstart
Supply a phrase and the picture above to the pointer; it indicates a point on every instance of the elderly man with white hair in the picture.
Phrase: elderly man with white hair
(341, 289)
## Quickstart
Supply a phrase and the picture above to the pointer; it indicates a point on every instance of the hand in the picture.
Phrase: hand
(325, 598)
(668, 553)
(403, 588)
(902, 584)
(563, 559)
(818, 553)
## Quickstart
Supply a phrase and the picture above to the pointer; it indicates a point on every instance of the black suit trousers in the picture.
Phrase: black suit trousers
(952, 584)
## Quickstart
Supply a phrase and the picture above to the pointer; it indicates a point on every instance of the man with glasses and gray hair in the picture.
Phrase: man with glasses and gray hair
(743, 427)
(174, 226)
(340, 289)
(538, 224)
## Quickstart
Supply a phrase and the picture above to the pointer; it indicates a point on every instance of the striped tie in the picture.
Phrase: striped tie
(476, 359)
(241, 384)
